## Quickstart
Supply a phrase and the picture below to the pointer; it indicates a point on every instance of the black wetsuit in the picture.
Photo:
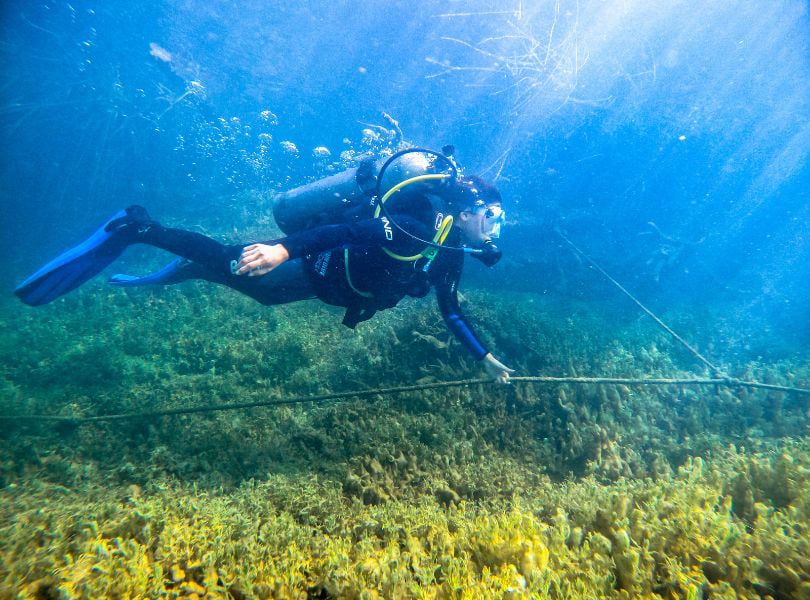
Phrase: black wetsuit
(318, 268)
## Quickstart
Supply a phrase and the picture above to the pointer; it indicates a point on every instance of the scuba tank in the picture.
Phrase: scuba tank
(335, 198)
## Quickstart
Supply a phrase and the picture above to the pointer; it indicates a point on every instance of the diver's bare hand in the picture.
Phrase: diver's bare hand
(496, 369)
(260, 259)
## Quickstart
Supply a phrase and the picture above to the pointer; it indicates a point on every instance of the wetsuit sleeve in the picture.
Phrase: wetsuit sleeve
(373, 232)
(446, 284)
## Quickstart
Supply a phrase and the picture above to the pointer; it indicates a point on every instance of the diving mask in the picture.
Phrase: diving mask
(492, 221)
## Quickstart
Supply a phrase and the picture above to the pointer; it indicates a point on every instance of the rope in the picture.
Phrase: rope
(728, 382)
(715, 370)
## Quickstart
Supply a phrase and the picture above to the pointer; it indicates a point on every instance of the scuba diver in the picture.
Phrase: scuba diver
(362, 239)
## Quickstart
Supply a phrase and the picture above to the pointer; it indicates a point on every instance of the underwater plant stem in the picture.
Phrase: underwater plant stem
(726, 381)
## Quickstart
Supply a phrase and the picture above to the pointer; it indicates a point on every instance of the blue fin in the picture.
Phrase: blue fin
(72, 268)
(166, 275)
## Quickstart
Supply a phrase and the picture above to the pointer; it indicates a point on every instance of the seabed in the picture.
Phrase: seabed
(482, 492)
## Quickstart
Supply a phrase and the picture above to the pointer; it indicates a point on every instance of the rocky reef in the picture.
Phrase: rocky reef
(504, 492)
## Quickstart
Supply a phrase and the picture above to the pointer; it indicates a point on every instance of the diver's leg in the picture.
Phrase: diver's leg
(177, 271)
(196, 247)
(137, 227)
(212, 261)
(204, 258)
(133, 225)
(288, 282)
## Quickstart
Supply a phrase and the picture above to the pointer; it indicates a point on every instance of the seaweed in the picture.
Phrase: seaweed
(516, 491)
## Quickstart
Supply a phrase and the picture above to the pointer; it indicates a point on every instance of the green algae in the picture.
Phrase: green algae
(297, 536)
(526, 491)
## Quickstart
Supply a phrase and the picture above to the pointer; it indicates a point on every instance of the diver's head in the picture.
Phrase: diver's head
(479, 217)
(480, 212)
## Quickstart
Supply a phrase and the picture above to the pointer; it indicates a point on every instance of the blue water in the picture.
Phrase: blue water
(669, 139)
